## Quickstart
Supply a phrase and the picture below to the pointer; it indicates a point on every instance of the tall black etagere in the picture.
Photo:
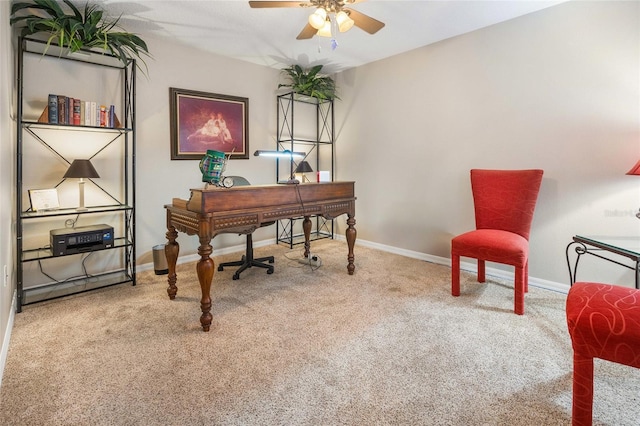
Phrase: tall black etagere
(305, 124)
(37, 135)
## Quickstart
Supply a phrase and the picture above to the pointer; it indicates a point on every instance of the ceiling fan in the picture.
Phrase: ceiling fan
(330, 16)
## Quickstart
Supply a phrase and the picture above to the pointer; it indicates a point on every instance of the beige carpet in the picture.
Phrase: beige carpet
(386, 346)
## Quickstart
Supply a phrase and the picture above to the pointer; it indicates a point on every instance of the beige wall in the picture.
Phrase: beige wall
(159, 179)
(557, 90)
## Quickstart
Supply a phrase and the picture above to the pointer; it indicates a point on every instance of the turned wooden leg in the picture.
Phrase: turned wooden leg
(171, 250)
(306, 228)
(205, 268)
(351, 241)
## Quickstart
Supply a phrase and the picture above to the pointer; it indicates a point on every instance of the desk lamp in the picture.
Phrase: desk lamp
(282, 154)
(303, 168)
(635, 171)
(81, 169)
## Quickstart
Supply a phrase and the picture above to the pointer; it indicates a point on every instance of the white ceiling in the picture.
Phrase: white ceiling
(268, 36)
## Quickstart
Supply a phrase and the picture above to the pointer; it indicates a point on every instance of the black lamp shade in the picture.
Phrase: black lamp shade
(304, 167)
(81, 169)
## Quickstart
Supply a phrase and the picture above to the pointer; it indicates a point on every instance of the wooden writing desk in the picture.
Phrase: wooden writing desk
(241, 210)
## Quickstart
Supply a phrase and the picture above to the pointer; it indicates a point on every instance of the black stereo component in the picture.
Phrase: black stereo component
(82, 239)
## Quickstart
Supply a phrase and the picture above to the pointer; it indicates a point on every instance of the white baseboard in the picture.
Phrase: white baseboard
(465, 266)
(7, 335)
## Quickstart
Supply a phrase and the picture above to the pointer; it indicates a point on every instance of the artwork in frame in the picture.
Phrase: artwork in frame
(202, 121)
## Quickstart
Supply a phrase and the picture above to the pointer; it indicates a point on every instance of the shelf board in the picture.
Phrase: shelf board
(299, 238)
(29, 124)
(45, 252)
(304, 98)
(303, 141)
(67, 212)
(96, 57)
(78, 285)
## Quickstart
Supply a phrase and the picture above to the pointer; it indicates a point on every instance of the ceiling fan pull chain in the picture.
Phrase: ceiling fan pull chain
(334, 32)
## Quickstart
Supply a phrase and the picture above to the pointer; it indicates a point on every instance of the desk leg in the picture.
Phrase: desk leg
(351, 241)
(171, 250)
(205, 268)
(306, 228)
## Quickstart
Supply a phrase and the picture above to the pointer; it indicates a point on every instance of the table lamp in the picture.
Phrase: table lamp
(303, 168)
(81, 169)
(635, 171)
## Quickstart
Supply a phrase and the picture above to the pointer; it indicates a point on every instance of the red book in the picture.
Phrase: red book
(62, 110)
(76, 112)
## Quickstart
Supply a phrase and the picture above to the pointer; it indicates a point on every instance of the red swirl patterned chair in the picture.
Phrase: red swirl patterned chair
(604, 322)
(504, 202)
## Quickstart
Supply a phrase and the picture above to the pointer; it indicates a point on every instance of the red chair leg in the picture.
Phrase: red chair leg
(481, 273)
(519, 291)
(455, 275)
(526, 277)
(582, 410)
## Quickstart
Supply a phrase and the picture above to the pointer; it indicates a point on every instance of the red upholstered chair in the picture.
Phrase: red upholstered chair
(504, 202)
(604, 322)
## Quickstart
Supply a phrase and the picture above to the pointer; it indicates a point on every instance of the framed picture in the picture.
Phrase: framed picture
(44, 199)
(202, 121)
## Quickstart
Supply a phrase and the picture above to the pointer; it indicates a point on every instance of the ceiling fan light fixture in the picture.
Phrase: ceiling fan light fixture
(325, 31)
(318, 18)
(344, 21)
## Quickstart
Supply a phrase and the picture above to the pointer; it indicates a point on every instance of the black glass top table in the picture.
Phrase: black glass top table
(608, 248)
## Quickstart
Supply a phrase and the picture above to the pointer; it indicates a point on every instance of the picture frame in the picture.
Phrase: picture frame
(44, 199)
(200, 121)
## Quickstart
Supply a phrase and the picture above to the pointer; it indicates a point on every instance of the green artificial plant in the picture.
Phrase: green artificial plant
(310, 82)
(76, 30)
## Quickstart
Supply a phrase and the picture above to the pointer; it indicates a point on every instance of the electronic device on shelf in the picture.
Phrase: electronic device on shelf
(82, 239)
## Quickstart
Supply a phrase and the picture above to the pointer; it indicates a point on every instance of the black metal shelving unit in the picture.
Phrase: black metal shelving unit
(305, 124)
(52, 147)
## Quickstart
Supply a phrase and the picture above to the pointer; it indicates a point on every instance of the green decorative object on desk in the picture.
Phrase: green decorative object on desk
(77, 30)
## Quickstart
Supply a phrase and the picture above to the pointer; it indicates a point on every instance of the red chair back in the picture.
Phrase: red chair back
(505, 199)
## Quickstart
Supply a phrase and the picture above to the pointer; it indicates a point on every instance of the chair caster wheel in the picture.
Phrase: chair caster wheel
(269, 271)
(236, 276)
(220, 268)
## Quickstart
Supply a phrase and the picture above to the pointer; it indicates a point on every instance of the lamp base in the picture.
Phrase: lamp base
(289, 182)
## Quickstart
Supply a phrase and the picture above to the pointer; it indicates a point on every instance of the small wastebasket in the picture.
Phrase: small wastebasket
(160, 260)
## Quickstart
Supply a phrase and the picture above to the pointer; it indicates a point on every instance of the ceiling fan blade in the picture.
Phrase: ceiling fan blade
(365, 22)
(262, 4)
(307, 32)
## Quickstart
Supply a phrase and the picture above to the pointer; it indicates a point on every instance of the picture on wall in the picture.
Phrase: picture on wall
(202, 121)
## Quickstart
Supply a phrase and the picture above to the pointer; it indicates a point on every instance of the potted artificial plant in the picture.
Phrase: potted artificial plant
(75, 30)
(310, 82)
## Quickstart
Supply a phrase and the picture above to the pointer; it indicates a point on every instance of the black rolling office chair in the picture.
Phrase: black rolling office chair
(247, 260)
